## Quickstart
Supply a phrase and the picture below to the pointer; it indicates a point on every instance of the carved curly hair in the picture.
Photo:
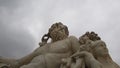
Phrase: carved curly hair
(55, 31)
(89, 36)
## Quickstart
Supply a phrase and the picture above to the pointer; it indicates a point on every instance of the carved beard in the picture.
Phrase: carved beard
(57, 35)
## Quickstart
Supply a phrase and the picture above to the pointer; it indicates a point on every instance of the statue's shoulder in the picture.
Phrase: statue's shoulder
(99, 42)
(72, 38)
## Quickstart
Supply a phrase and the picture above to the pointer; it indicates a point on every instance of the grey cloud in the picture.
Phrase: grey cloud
(15, 42)
(10, 4)
(23, 22)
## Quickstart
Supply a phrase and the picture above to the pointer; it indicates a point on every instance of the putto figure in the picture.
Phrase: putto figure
(93, 53)
(50, 54)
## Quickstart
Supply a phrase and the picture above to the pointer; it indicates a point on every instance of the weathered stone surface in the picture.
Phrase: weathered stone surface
(64, 51)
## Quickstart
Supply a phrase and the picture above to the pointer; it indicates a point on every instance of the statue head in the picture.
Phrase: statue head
(99, 48)
(58, 31)
(95, 45)
(89, 36)
(83, 39)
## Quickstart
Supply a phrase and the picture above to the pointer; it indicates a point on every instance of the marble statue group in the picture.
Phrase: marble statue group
(64, 51)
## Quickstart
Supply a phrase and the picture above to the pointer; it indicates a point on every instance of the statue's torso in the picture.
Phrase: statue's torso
(54, 52)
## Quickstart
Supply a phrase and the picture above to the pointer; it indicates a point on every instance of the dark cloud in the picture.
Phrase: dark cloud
(15, 42)
(10, 4)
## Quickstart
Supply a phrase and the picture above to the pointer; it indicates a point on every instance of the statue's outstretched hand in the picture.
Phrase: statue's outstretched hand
(82, 54)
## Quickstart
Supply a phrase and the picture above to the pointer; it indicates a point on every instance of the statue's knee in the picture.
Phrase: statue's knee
(27, 66)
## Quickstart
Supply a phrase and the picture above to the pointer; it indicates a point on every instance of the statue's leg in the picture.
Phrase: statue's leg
(33, 65)
(79, 63)
(37, 62)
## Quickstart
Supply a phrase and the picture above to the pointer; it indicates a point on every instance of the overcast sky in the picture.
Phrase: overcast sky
(23, 22)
